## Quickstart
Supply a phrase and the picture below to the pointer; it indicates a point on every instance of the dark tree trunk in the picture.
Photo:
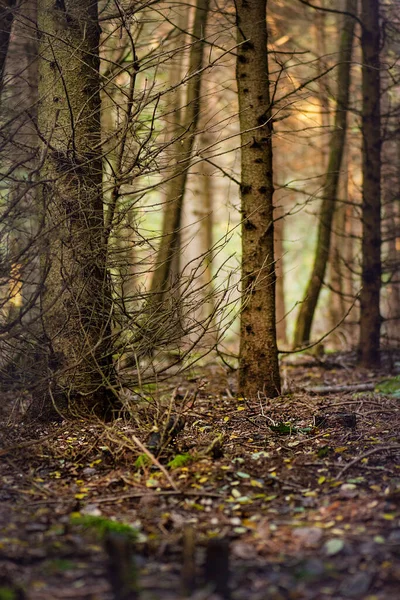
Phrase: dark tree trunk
(258, 364)
(370, 318)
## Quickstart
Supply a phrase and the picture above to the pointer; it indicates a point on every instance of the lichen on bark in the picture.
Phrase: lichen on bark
(75, 300)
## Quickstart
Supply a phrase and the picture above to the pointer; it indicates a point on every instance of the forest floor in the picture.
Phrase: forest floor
(296, 497)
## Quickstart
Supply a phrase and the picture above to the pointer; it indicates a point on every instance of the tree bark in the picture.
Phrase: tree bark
(279, 229)
(7, 8)
(370, 318)
(392, 216)
(258, 363)
(174, 128)
(337, 302)
(75, 299)
(330, 188)
(198, 239)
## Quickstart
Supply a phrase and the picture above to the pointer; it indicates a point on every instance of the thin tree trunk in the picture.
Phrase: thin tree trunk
(20, 106)
(370, 318)
(279, 228)
(392, 328)
(175, 127)
(337, 302)
(352, 233)
(199, 223)
(120, 209)
(258, 363)
(7, 8)
(75, 299)
(320, 31)
(176, 187)
(330, 188)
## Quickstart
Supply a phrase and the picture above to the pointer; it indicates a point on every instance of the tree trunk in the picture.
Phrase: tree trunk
(6, 20)
(198, 242)
(169, 243)
(370, 318)
(258, 363)
(75, 299)
(279, 228)
(174, 128)
(330, 188)
(337, 301)
(392, 214)
(176, 188)
(321, 38)
(19, 107)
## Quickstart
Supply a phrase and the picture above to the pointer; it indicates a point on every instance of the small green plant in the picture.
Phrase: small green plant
(58, 564)
(142, 461)
(390, 387)
(180, 460)
(288, 429)
(101, 526)
(7, 593)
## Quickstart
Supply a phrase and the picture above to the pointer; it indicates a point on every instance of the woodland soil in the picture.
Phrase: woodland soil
(304, 489)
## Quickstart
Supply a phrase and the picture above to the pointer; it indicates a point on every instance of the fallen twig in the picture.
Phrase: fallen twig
(340, 389)
(365, 455)
(294, 486)
(124, 440)
(9, 449)
(129, 496)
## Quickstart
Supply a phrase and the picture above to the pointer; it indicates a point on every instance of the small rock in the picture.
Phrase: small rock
(313, 568)
(309, 536)
(309, 502)
(148, 506)
(177, 519)
(394, 541)
(88, 471)
(347, 419)
(348, 490)
(368, 548)
(357, 585)
(91, 510)
(34, 527)
(394, 536)
(243, 550)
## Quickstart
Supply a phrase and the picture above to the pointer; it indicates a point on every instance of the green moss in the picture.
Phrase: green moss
(101, 526)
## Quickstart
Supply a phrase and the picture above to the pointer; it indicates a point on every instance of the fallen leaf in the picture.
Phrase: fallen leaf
(333, 546)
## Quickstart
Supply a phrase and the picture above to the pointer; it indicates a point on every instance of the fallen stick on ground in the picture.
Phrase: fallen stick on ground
(365, 455)
(160, 493)
(27, 444)
(340, 389)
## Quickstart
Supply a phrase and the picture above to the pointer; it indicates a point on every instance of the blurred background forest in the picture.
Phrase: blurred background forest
(147, 116)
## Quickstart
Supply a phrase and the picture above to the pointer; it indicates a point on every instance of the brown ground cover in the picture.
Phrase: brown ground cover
(300, 495)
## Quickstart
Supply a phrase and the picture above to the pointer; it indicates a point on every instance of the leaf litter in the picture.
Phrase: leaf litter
(306, 500)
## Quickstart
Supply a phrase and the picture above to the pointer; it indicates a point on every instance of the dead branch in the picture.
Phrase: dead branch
(365, 455)
(341, 389)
